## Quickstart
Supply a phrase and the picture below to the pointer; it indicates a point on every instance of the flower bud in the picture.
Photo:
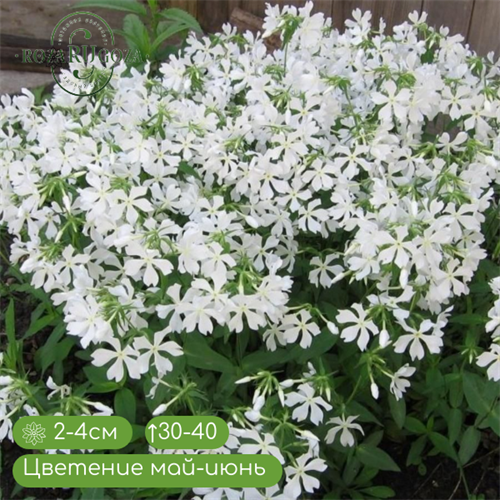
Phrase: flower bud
(332, 327)
(383, 338)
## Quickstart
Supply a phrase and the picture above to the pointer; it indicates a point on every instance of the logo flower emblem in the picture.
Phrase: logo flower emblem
(34, 433)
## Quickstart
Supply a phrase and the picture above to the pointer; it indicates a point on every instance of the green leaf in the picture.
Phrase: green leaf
(469, 444)
(136, 34)
(13, 348)
(398, 410)
(321, 343)
(454, 424)
(456, 393)
(77, 494)
(379, 492)
(442, 443)
(469, 319)
(96, 375)
(489, 268)
(92, 494)
(356, 495)
(156, 493)
(123, 5)
(187, 169)
(16, 490)
(100, 383)
(435, 383)
(125, 405)
(332, 496)
(45, 356)
(39, 324)
(10, 322)
(351, 470)
(416, 449)
(165, 53)
(200, 355)
(376, 458)
(414, 425)
(329, 310)
(264, 359)
(493, 420)
(38, 293)
(374, 438)
(63, 348)
(168, 33)
(182, 16)
(365, 415)
(137, 432)
(365, 476)
(474, 390)
(85, 355)
(226, 385)
(103, 388)
(480, 288)
(38, 312)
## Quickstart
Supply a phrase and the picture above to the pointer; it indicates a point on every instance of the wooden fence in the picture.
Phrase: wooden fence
(477, 20)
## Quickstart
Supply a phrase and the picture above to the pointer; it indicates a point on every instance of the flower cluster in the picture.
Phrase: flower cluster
(491, 358)
(333, 190)
(256, 441)
(15, 394)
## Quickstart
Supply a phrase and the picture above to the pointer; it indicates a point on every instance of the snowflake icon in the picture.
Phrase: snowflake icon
(34, 433)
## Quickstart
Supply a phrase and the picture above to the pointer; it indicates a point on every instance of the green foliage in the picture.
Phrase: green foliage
(446, 412)
(92, 494)
(449, 407)
(375, 457)
(13, 355)
(147, 30)
(121, 5)
(200, 355)
(125, 404)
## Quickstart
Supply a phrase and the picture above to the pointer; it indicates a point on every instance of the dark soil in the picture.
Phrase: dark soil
(10, 453)
(440, 478)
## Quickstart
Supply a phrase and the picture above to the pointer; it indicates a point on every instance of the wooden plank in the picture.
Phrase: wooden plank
(454, 14)
(190, 6)
(234, 4)
(17, 41)
(324, 6)
(11, 53)
(342, 10)
(212, 14)
(394, 12)
(11, 82)
(256, 7)
(245, 21)
(38, 19)
(484, 27)
(11, 60)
